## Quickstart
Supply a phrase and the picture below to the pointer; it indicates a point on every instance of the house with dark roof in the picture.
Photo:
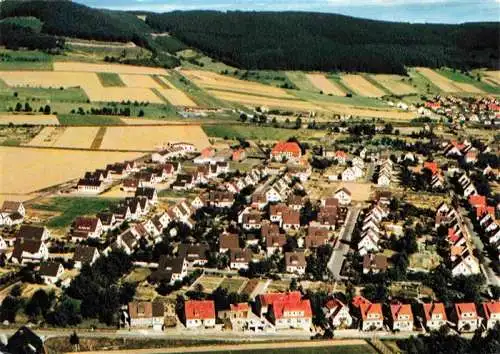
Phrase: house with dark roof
(194, 254)
(25, 341)
(90, 186)
(146, 314)
(228, 241)
(51, 272)
(85, 255)
(108, 221)
(84, 228)
(32, 232)
(240, 258)
(374, 263)
(29, 251)
(170, 269)
(12, 213)
(295, 262)
(148, 192)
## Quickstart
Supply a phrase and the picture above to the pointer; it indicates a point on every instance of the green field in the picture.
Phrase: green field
(460, 77)
(76, 119)
(110, 80)
(231, 284)
(252, 132)
(354, 100)
(201, 97)
(341, 349)
(300, 80)
(71, 207)
(24, 60)
(337, 79)
(376, 84)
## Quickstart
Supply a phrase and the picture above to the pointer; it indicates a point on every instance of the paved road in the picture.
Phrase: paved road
(338, 254)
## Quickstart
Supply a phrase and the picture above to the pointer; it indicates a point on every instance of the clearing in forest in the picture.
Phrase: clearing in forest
(361, 86)
(323, 84)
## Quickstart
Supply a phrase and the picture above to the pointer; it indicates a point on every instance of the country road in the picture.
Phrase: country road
(338, 254)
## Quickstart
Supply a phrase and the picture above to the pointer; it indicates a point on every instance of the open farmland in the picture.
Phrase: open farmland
(213, 81)
(107, 68)
(19, 119)
(361, 86)
(119, 94)
(492, 77)
(446, 84)
(144, 138)
(31, 169)
(177, 97)
(254, 101)
(395, 84)
(323, 84)
(50, 79)
(367, 112)
(65, 137)
(141, 81)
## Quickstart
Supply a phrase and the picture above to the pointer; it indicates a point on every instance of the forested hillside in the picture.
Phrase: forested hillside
(317, 41)
(70, 19)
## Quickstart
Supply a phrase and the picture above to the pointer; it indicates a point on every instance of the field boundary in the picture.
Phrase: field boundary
(96, 143)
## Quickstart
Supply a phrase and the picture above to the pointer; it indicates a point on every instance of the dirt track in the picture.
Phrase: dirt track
(229, 347)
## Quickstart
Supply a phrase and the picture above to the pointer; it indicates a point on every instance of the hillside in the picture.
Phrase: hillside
(64, 18)
(317, 41)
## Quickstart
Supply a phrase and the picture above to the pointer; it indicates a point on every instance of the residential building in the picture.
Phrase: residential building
(146, 314)
(51, 272)
(402, 317)
(337, 313)
(466, 317)
(435, 316)
(199, 313)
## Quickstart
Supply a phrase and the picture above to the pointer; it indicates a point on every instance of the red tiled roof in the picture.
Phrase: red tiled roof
(401, 309)
(286, 302)
(357, 301)
(482, 211)
(432, 166)
(290, 147)
(434, 308)
(477, 200)
(334, 303)
(340, 153)
(199, 310)
(452, 236)
(270, 298)
(367, 309)
(291, 217)
(465, 307)
(240, 307)
(490, 308)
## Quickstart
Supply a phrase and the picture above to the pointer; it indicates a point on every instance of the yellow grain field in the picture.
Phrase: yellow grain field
(65, 137)
(177, 97)
(152, 138)
(141, 81)
(146, 121)
(395, 84)
(322, 83)
(468, 87)
(107, 68)
(210, 80)
(361, 86)
(119, 94)
(492, 76)
(343, 109)
(440, 81)
(50, 79)
(254, 101)
(25, 170)
(28, 119)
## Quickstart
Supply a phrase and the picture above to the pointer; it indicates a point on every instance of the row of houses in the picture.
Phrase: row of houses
(372, 229)
(462, 259)
(485, 215)
(385, 172)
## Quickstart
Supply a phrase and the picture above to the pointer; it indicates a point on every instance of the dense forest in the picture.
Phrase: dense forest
(318, 41)
(65, 18)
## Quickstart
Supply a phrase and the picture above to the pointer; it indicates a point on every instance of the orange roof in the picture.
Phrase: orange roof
(432, 166)
(465, 308)
(456, 250)
(270, 298)
(401, 309)
(357, 301)
(199, 310)
(491, 307)
(369, 309)
(432, 104)
(281, 308)
(482, 211)
(240, 307)
(334, 303)
(494, 107)
(290, 147)
(340, 153)
(434, 308)
(477, 200)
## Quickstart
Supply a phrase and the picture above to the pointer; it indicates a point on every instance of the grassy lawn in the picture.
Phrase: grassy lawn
(110, 79)
(459, 77)
(209, 283)
(137, 275)
(231, 284)
(253, 132)
(76, 119)
(71, 207)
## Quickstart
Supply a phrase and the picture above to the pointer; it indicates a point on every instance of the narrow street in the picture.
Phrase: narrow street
(339, 253)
